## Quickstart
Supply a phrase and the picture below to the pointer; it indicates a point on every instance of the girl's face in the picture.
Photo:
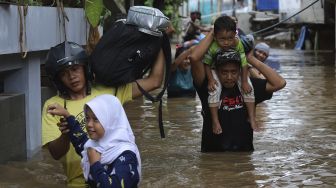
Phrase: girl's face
(93, 127)
(225, 39)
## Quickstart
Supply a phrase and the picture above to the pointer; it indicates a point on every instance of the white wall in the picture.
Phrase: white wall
(314, 14)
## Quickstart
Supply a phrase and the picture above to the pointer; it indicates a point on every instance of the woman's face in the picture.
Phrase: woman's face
(93, 127)
(228, 74)
(260, 55)
(185, 65)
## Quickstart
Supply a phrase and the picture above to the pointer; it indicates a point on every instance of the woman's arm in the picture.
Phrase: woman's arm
(184, 55)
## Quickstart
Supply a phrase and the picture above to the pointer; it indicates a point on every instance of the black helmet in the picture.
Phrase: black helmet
(227, 56)
(63, 55)
(248, 42)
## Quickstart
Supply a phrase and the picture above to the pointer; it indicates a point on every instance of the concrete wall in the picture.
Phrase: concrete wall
(244, 22)
(27, 80)
(43, 28)
(13, 130)
(18, 75)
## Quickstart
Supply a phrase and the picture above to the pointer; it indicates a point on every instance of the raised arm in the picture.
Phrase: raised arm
(199, 51)
(154, 80)
(180, 59)
(197, 67)
(275, 82)
(254, 73)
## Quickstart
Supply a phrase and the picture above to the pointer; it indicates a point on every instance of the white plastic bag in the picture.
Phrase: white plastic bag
(149, 20)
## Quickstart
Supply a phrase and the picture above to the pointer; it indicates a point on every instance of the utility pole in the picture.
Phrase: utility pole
(211, 7)
(198, 5)
(219, 6)
(233, 7)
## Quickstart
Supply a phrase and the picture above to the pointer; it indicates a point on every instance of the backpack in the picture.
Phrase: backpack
(124, 54)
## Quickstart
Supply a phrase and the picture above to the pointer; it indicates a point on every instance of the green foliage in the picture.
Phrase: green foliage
(149, 3)
(93, 11)
(51, 3)
(33, 2)
(23, 2)
(171, 9)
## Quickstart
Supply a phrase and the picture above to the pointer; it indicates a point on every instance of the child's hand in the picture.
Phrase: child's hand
(246, 87)
(56, 109)
(93, 155)
(212, 85)
(216, 128)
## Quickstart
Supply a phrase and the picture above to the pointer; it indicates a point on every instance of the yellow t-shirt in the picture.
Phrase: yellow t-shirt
(50, 131)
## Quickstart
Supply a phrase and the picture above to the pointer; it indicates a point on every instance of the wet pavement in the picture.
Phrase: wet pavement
(297, 147)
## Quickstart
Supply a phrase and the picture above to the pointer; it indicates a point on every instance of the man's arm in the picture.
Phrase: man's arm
(254, 73)
(197, 67)
(154, 80)
(275, 82)
(199, 51)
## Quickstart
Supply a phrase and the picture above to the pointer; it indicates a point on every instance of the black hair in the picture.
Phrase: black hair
(224, 23)
(224, 57)
(195, 13)
(179, 51)
(63, 91)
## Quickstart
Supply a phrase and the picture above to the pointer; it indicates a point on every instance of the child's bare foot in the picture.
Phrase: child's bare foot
(216, 128)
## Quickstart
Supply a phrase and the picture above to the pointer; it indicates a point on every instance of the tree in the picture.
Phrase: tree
(170, 8)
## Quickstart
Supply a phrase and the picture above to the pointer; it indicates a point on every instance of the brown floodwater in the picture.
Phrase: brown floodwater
(297, 147)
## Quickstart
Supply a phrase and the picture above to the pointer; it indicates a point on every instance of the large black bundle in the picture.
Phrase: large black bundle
(124, 54)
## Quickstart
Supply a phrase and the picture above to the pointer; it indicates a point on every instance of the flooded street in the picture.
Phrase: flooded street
(296, 148)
